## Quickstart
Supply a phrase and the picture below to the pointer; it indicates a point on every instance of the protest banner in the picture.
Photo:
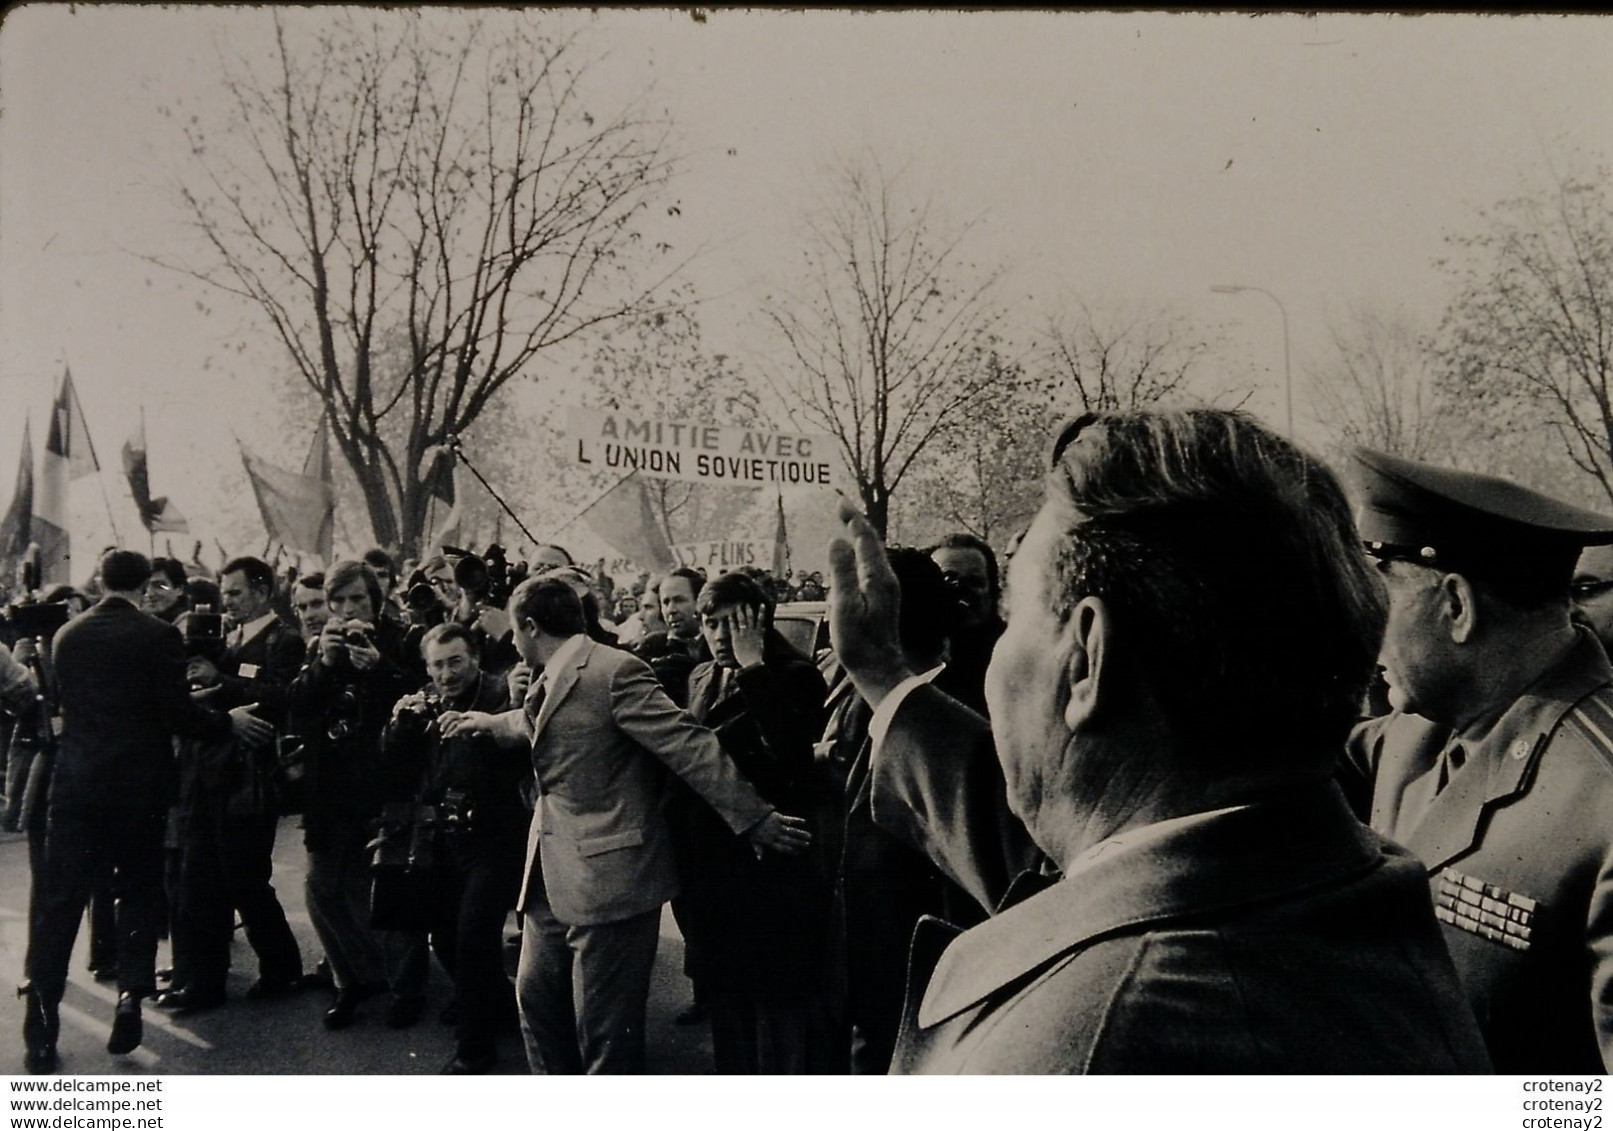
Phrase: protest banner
(700, 452)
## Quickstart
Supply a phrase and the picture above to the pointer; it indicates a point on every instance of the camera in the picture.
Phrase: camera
(360, 633)
(27, 617)
(488, 578)
(203, 631)
(423, 707)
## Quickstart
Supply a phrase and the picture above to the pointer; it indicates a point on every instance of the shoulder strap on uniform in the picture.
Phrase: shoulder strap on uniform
(1592, 719)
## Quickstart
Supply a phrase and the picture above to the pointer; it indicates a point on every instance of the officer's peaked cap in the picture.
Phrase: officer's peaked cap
(1481, 526)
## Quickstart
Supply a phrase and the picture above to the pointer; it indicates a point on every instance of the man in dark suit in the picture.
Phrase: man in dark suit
(228, 815)
(756, 928)
(1219, 907)
(599, 862)
(476, 787)
(1496, 766)
(121, 679)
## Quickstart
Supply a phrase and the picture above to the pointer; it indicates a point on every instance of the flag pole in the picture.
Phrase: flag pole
(592, 503)
(459, 450)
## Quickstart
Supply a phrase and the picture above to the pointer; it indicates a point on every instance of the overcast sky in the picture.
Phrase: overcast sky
(1114, 159)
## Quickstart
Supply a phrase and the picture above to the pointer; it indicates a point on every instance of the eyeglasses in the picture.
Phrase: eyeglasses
(1585, 590)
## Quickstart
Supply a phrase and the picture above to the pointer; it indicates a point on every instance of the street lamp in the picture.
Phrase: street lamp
(1288, 373)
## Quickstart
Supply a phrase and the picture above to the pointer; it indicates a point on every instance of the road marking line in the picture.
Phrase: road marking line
(153, 1016)
(101, 1031)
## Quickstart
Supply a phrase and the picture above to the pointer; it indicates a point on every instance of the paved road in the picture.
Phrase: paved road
(284, 1036)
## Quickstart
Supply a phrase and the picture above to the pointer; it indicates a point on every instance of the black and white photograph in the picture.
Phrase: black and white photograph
(832, 542)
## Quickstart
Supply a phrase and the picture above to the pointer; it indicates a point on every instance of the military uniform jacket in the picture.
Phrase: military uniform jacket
(1282, 936)
(1519, 851)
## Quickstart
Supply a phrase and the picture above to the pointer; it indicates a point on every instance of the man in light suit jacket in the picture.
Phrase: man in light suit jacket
(599, 856)
(1207, 903)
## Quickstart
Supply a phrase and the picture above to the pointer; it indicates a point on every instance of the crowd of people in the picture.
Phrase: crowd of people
(1228, 768)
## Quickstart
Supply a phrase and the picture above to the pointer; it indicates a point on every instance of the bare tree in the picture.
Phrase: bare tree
(1105, 361)
(419, 211)
(1530, 331)
(988, 478)
(889, 335)
(1378, 388)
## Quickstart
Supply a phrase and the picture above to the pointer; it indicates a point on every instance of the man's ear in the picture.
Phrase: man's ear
(1460, 607)
(1084, 643)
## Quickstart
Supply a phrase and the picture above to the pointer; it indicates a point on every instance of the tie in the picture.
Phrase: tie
(534, 698)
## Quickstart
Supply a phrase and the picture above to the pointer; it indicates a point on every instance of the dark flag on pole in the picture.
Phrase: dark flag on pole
(443, 506)
(781, 542)
(159, 515)
(16, 530)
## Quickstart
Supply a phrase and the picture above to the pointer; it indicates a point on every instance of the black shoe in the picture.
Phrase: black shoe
(471, 1063)
(344, 1011)
(267, 989)
(694, 1015)
(318, 979)
(128, 1028)
(405, 1012)
(40, 1026)
(189, 1000)
(104, 973)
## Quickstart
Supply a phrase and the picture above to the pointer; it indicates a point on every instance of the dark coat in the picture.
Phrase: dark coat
(490, 775)
(347, 778)
(1281, 936)
(1521, 838)
(121, 675)
(755, 926)
(259, 671)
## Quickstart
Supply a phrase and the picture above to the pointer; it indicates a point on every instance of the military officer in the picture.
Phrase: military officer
(1495, 767)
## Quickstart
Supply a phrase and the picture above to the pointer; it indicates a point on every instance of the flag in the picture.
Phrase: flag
(317, 467)
(68, 456)
(16, 529)
(298, 510)
(622, 516)
(158, 515)
(781, 542)
(442, 487)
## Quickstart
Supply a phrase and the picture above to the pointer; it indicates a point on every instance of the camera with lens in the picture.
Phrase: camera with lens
(29, 618)
(360, 633)
(420, 598)
(421, 708)
(203, 631)
(488, 578)
(456, 813)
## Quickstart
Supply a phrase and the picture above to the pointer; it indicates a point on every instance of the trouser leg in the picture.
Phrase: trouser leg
(338, 904)
(544, 993)
(613, 963)
(74, 854)
(247, 847)
(491, 880)
(202, 919)
(142, 904)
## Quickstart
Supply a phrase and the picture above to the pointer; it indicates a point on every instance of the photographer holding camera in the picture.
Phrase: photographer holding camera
(339, 705)
(474, 787)
(228, 812)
